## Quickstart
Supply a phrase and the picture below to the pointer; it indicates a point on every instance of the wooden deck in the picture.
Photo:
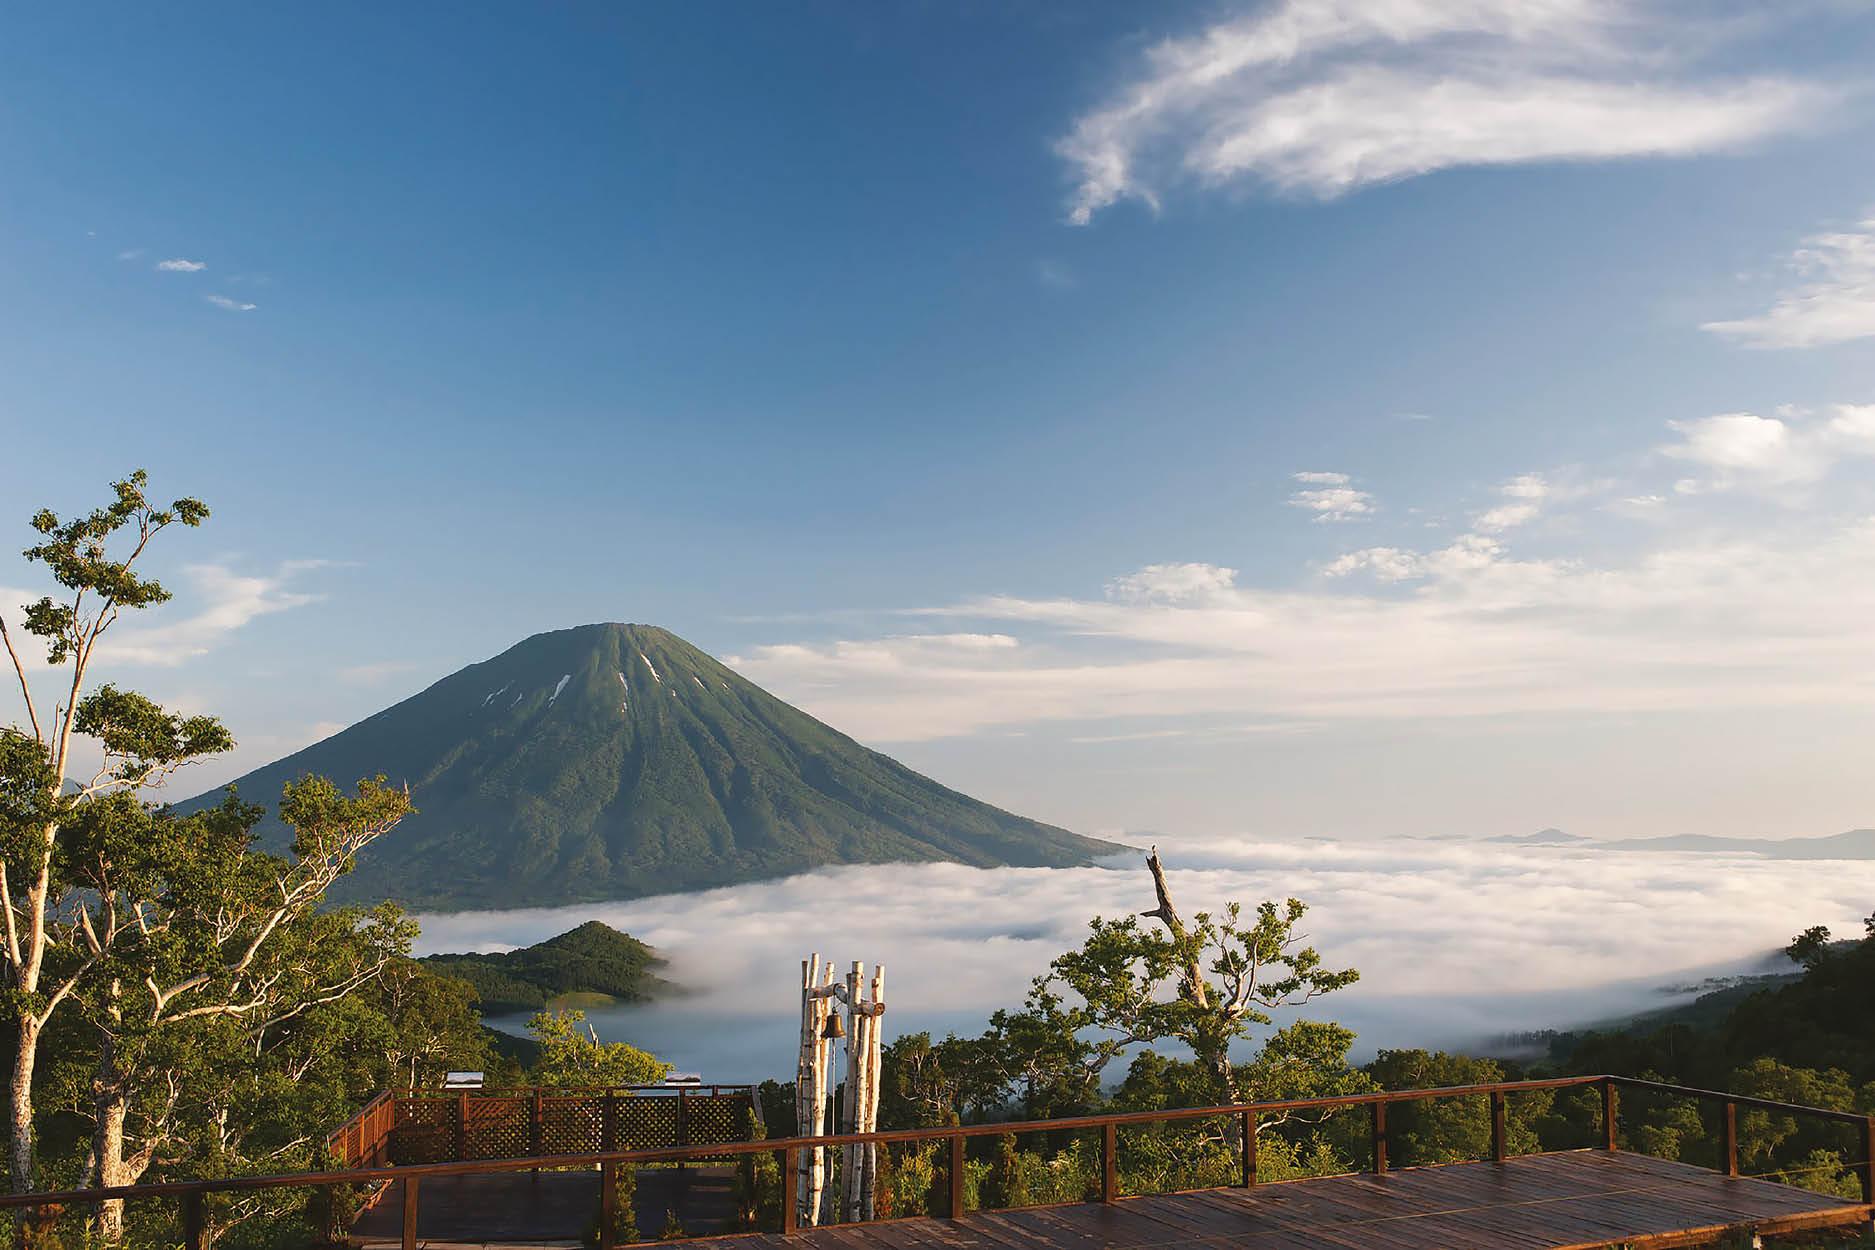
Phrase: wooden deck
(1576, 1199)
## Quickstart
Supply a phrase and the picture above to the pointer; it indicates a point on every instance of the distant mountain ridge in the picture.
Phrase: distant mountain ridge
(1854, 844)
(612, 761)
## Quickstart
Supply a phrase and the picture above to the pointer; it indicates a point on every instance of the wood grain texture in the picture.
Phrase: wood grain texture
(1572, 1200)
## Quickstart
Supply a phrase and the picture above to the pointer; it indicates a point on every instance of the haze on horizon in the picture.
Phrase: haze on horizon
(1102, 412)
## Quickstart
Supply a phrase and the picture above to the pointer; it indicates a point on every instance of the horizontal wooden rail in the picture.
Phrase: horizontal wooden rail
(1760, 1104)
(564, 1091)
(677, 1154)
(191, 1192)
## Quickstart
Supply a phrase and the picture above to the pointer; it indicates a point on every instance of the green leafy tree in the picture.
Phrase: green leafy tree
(135, 744)
(181, 921)
(1206, 984)
(572, 1055)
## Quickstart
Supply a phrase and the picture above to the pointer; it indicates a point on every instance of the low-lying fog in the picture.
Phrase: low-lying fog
(1456, 942)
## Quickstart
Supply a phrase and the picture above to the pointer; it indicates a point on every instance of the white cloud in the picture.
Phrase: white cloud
(212, 603)
(1833, 303)
(1706, 614)
(130, 253)
(1528, 491)
(1332, 498)
(1526, 486)
(1325, 96)
(1426, 923)
(1171, 583)
(179, 265)
(231, 305)
(1388, 564)
(1505, 516)
(1745, 449)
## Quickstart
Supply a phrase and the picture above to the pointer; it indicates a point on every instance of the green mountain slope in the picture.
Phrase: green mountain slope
(611, 761)
(594, 959)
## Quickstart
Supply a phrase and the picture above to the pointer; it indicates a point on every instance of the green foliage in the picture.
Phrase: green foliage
(1807, 1040)
(1452, 1130)
(760, 1187)
(624, 1211)
(654, 768)
(592, 959)
(673, 1226)
(77, 554)
(571, 1055)
(1004, 1185)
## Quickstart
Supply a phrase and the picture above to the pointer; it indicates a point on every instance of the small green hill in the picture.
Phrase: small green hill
(612, 761)
(594, 959)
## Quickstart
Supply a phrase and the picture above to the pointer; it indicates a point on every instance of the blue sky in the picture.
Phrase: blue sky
(951, 368)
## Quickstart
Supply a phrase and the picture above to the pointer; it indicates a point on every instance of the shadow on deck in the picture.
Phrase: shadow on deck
(546, 1208)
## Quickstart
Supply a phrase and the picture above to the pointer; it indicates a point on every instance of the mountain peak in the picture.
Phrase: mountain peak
(614, 760)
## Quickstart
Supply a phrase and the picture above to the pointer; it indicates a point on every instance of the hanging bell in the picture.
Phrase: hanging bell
(833, 1028)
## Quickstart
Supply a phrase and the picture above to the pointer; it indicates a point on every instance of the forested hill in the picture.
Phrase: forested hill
(592, 960)
(1820, 1020)
(611, 761)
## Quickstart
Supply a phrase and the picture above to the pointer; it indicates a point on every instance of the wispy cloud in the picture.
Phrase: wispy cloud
(179, 265)
(1321, 97)
(212, 603)
(130, 253)
(231, 305)
(1833, 302)
(1715, 609)
(1331, 497)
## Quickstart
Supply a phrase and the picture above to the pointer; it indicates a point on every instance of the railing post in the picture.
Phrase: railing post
(790, 1199)
(535, 1127)
(957, 1176)
(410, 1213)
(608, 1203)
(1109, 1162)
(1499, 1147)
(683, 1125)
(1608, 1114)
(462, 1126)
(1249, 1130)
(608, 1124)
(192, 1220)
(1380, 1136)
(1731, 1138)
(1868, 1159)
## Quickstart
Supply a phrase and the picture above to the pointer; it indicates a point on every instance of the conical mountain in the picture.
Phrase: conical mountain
(611, 761)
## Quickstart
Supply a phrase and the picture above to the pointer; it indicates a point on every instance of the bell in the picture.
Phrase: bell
(833, 1028)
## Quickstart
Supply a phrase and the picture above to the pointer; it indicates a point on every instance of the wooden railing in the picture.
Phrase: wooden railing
(452, 1126)
(191, 1194)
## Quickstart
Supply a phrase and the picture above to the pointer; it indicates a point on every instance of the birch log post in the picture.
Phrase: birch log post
(848, 1096)
(875, 1031)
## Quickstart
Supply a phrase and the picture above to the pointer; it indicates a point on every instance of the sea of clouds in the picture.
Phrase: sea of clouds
(1458, 943)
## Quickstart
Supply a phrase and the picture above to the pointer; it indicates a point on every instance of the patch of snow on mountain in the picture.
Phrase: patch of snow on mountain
(652, 667)
(558, 688)
(493, 693)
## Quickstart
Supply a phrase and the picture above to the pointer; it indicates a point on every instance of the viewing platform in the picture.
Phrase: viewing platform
(544, 1195)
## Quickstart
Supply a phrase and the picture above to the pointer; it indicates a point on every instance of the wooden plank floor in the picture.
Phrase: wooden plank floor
(544, 1208)
(1576, 1199)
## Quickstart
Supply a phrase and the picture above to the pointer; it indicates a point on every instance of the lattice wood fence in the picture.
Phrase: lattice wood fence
(520, 1124)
